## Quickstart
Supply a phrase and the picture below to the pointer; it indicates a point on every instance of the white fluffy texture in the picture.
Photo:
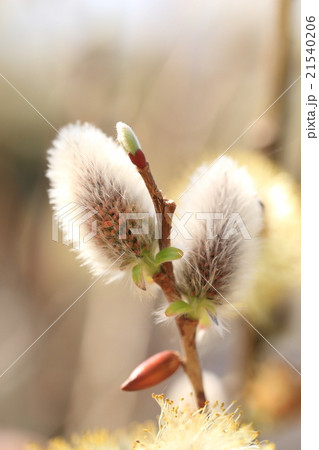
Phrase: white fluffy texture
(88, 168)
(227, 264)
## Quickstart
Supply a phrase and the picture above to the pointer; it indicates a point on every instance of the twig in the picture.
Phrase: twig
(164, 207)
(165, 279)
(191, 364)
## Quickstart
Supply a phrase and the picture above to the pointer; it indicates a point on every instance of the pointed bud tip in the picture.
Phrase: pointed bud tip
(127, 138)
(152, 371)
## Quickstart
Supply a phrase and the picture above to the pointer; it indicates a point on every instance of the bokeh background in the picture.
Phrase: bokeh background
(190, 77)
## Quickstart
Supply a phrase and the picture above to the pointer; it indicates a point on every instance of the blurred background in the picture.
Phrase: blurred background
(190, 78)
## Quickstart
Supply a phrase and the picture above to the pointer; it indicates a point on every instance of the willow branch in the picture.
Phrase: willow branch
(165, 279)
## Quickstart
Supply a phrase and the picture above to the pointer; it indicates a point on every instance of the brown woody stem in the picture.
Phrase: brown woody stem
(191, 364)
(165, 279)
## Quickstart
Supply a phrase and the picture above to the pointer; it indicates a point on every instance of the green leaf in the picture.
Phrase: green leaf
(178, 307)
(168, 254)
(138, 276)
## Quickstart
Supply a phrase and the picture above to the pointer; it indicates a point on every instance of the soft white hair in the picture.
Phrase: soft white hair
(91, 172)
(218, 267)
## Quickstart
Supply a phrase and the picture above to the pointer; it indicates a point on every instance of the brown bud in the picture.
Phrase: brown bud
(138, 159)
(152, 371)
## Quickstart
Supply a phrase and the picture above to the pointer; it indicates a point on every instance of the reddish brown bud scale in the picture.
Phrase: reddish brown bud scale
(152, 371)
(138, 159)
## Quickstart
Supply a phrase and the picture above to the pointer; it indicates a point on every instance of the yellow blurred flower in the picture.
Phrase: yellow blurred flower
(214, 427)
(97, 440)
(273, 392)
(278, 268)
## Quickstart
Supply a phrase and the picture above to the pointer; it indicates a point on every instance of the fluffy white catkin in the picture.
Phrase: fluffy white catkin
(219, 254)
(90, 173)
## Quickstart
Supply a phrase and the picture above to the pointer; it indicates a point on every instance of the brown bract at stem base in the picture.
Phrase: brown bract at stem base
(166, 280)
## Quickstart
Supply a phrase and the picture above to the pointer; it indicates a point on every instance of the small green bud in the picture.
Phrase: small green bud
(127, 138)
